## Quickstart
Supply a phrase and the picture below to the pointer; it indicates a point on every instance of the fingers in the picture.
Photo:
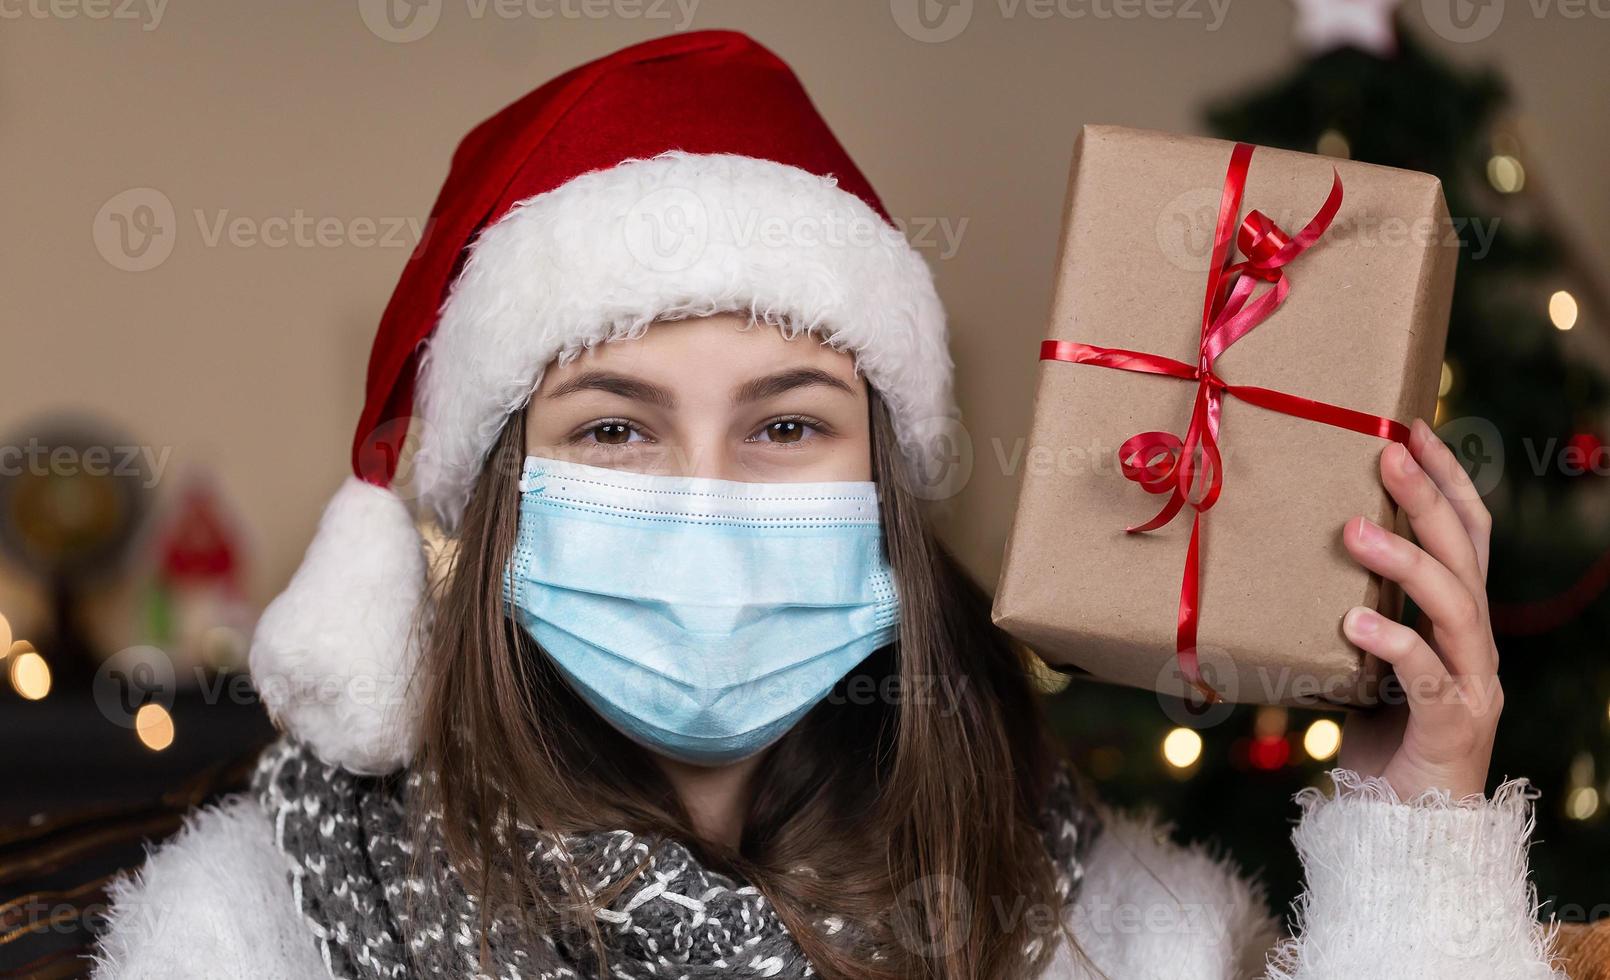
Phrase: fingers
(1436, 524)
(1430, 690)
(1451, 479)
(1458, 619)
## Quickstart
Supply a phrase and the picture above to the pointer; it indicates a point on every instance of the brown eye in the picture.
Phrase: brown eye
(786, 430)
(612, 433)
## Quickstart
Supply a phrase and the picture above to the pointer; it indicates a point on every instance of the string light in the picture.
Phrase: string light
(1333, 144)
(1322, 739)
(1506, 173)
(5, 635)
(1268, 748)
(1583, 803)
(30, 675)
(1182, 747)
(1562, 310)
(154, 726)
(1270, 721)
(1445, 384)
(1581, 796)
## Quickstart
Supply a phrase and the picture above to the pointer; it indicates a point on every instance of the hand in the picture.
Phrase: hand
(1440, 733)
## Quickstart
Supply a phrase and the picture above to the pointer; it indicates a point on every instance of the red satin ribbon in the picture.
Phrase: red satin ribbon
(1190, 470)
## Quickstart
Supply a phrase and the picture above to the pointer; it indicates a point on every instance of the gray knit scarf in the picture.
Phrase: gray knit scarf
(377, 914)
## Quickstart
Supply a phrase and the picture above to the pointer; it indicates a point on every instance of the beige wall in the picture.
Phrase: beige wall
(248, 359)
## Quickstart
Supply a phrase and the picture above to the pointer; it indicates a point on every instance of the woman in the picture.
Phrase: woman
(700, 694)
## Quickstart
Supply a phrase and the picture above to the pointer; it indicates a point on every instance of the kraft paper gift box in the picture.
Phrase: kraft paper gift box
(1362, 327)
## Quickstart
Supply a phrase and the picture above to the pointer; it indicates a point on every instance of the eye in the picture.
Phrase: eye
(609, 432)
(790, 430)
(785, 431)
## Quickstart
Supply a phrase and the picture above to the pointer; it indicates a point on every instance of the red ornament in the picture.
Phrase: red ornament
(1585, 454)
(198, 547)
(1269, 752)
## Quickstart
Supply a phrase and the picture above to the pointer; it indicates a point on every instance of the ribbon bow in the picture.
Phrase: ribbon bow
(1191, 470)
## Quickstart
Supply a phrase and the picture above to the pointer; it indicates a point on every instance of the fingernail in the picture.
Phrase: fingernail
(1369, 532)
(1361, 622)
(1420, 428)
(1404, 460)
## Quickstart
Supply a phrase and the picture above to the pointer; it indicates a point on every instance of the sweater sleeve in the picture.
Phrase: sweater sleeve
(215, 901)
(1428, 887)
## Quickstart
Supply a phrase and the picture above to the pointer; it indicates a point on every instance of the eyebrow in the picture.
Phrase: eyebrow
(616, 384)
(773, 385)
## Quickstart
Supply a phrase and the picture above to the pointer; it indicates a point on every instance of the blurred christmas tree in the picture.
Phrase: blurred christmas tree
(1525, 415)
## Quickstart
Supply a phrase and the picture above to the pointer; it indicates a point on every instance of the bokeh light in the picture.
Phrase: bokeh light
(30, 674)
(1182, 747)
(154, 726)
(1322, 739)
(1562, 310)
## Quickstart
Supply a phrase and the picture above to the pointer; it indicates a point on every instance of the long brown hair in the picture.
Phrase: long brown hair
(917, 815)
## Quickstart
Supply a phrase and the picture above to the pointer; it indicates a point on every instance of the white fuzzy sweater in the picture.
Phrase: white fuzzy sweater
(1431, 888)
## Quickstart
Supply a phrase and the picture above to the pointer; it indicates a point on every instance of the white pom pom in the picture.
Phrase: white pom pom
(334, 656)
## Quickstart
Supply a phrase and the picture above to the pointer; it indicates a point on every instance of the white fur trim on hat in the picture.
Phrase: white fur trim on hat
(676, 236)
(333, 657)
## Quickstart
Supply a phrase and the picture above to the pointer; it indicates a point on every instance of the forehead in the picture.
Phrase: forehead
(722, 350)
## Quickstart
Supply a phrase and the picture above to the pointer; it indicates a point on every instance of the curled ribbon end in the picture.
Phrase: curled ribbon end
(1209, 695)
(1261, 240)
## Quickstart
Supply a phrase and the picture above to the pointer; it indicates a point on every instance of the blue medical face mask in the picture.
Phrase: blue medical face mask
(701, 617)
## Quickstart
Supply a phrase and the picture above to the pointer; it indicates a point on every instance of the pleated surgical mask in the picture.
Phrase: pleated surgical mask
(702, 618)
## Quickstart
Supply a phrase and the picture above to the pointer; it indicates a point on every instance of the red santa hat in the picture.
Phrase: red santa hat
(681, 177)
